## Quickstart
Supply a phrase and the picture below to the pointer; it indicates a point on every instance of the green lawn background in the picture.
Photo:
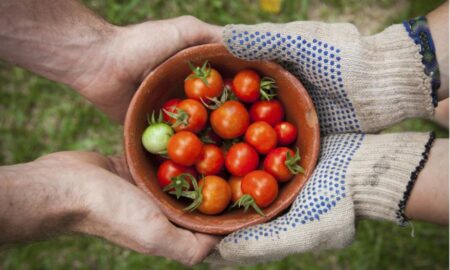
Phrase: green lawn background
(39, 116)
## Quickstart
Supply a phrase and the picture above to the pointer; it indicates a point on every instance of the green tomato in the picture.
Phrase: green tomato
(155, 138)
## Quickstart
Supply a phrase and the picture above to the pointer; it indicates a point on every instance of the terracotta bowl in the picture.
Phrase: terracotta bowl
(167, 82)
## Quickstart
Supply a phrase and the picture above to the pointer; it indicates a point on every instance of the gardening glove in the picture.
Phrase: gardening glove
(357, 83)
(358, 177)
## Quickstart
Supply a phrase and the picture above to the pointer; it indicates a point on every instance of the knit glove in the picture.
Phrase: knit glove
(357, 83)
(358, 176)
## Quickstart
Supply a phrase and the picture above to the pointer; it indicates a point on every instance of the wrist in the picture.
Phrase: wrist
(383, 172)
(36, 202)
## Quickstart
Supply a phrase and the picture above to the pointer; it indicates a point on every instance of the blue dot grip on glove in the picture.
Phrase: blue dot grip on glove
(358, 84)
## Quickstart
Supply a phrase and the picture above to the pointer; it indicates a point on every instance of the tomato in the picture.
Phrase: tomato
(236, 191)
(211, 160)
(189, 115)
(156, 136)
(261, 136)
(286, 133)
(261, 186)
(246, 84)
(282, 163)
(169, 169)
(170, 106)
(204, 82)
(216, 195)
(241, 159)
(184, 148)
(271, 112)
(230, 120)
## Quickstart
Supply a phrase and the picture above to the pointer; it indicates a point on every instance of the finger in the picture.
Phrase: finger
(119, 166)
(195, 32)
(187, 247)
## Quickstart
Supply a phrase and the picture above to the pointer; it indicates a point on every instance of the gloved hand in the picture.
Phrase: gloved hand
(358, 176)
(358, 84)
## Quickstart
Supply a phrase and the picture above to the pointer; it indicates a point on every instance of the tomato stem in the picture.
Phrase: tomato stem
(179, 184)
(292, 163)
(246, 201)
(195, 195)
(201, 73)
(267, 88)
(181, 117)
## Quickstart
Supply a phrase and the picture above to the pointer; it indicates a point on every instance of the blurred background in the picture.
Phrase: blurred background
(39, 117)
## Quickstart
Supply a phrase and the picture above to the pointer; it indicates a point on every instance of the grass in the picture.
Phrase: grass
(39, 117)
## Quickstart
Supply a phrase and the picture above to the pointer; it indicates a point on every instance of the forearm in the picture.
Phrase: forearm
(429, 197)
(438, 23)
(35, 205)
(57, 39)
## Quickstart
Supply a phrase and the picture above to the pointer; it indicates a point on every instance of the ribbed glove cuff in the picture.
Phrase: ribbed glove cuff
(383, 172)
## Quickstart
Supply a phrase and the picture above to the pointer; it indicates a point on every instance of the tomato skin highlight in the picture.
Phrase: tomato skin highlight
(216, 195)
(274, 163)
(246, 84)
(169, 169)
(241, 159)
(211, 160)
(236, 191)
(286, 133)
(169, 106)
(195, 88)
(230, 120)
(262, 186)
(184, 148)
(261, 136)
(271, 112)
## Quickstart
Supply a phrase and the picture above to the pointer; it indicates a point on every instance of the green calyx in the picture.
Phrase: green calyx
(215, 103)
(201, 73)
(151, 120)
(246, 201)
(179, 184)
(195, 195)
(267, 88)
(292, 162)
(180, 116)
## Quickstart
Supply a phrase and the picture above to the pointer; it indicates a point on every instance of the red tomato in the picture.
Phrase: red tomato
(195, 87)
(261, 136)
(271, 112)
(230, 120)
(277, 164)
(216, 195)
(236, 191)
(190, 115)
(246, 84)
(286, 133)
(261, 186)
(170, 106)
(184, 148)
(241, 159)
(169, 169)
(211, 160)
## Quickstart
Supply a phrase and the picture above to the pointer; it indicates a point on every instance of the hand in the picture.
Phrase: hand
(92, 194)
(132, 52)
(357, 83)
(358, 177)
